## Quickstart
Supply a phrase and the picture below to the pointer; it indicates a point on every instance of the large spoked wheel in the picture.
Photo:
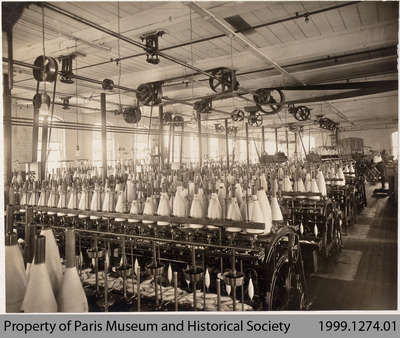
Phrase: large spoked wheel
(286, 280)
(337, 234)
(286, 291)
(328, 235)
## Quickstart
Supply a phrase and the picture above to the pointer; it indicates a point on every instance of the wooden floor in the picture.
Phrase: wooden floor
(364, 275)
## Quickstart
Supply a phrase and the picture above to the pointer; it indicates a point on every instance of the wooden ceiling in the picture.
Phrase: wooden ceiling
(355, 42)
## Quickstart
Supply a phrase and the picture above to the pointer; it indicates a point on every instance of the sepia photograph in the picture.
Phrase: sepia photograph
(219, 156)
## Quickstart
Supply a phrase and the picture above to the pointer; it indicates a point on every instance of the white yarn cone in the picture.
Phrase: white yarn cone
(203, 200)
(300, 187)
(62, 199)
(169, 274)
(53, 198)
(73, 199)
(266, 209)
(43, 199)
(340, 175)
(134, 211)
(264, 183)
(287, 185)
(191, 187)
(72, 297)
(250, 289)
(84, 202)
(148, 209)
(214, 210)
(121, 205)
(352, 171)
(129, 190)
(108, 201)
(196, 211)
(239, 194)
(314, 188)
(25, 195)
(276, 185)
(16, 277)
(256, 215)
(207, 279)
(233, 214)
(179, 203)
(39, 296)
(276, 210)
(95, 203)
(321, 183)
(53, 261)
(34, 198)
(307, 183)
(163, 208)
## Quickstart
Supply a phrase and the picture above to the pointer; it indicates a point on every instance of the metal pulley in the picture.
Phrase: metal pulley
(45, 69)
(132, 114)
(223, 80)
(65, 100)
(255, 119)
(107, 84)
(327, 124)
(295, 128)
(269, 101)
(232, 130)
(237, 115)
(39, 99)
(300, 113)
(219, 128)
(152, 46)
(178, 120)
(203, 106)
(149, 94)
(167, 117)
(66, 68)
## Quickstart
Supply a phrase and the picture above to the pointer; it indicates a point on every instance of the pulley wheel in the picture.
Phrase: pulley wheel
(178, 120)
(237, 115)
(107, 84)
(148, 94)
(269, 101)
(302, 113)
(255, 120)
(132, 114)
(223, 80)
(45, 69)
(203, 106)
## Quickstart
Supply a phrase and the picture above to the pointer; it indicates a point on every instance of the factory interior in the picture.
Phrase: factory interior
(200, 156)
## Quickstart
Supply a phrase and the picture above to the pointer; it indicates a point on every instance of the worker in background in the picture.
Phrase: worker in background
(379, 162)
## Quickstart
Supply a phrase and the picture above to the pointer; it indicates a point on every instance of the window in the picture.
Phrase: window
(175, 147)
(141, 147)
(194, 149)
(254, 149)
(270, 147)
(55, 149)
(309, 143)
(97, 148)
(395, 144)
(213, 146)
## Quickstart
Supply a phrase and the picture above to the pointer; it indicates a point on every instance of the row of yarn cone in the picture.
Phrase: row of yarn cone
(213, 195)
(207, 198)
(43, 286)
